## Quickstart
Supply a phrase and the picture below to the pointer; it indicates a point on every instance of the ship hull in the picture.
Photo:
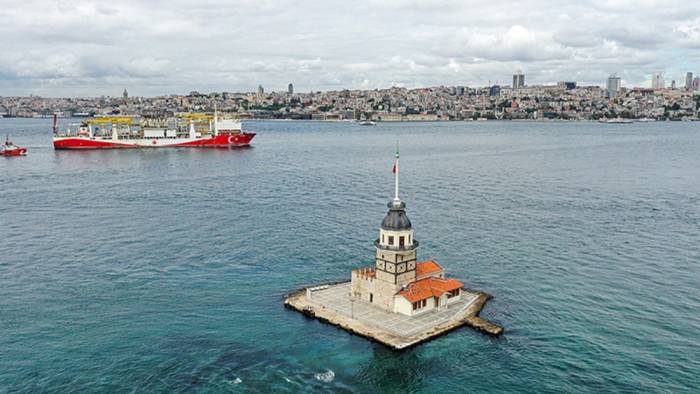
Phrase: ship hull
(224, 140)
(14, 152)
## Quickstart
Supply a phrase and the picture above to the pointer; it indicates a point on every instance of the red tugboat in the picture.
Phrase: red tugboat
(9, 149)
(183, 131)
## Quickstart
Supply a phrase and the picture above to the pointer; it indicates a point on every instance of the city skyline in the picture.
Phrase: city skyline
(95, 49)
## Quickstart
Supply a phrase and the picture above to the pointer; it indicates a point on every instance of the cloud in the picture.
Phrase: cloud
(91, 47)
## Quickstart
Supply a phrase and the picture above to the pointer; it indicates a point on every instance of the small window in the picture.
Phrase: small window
(382, 238)
(409, 239)
(391, 240)
(401, 241)
(371, 297)
(419, 304)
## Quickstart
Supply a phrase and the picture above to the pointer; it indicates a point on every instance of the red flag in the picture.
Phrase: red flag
(393, 170)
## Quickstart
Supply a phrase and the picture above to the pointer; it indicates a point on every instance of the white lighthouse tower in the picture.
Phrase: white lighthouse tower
(397, 282)
(395, 259)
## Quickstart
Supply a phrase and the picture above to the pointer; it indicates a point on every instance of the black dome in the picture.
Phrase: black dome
(396, 219)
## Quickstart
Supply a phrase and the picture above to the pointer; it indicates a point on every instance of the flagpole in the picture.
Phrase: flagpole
(396, 178)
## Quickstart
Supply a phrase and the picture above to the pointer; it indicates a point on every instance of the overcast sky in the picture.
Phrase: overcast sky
(151, 47)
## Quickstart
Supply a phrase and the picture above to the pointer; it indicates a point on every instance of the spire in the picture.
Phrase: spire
(397, 201)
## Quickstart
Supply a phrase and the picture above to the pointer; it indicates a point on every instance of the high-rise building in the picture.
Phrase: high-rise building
(261, 91)
(125, 94)
(612, 87)
(459, 91)
(673, 84)
(494, 91)
(657, 80)
(696, 83)
(290, 89)
(518, 80)
(689, 80)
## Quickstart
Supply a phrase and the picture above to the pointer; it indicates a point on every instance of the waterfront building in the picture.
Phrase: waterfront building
(518, 80)
(657, 80)
(688, 80)
(398, 282)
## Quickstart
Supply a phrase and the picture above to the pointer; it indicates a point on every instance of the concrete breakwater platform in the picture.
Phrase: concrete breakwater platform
(332, 304)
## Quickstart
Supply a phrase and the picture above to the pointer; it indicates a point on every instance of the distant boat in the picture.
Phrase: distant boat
(367, 123)
(646, 120)
(615, 120)
(10, 149)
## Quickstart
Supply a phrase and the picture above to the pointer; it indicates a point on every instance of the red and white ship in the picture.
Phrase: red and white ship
(9, 149)
(185, 130)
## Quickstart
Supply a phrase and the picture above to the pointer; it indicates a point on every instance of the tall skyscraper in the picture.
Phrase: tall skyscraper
(612, 87)
(689, 80)
(657, 80)
(290, 89)
(261, 91)
(518, 80)
(696, 83)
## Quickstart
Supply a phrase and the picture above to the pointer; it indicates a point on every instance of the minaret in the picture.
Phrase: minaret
(395, 260)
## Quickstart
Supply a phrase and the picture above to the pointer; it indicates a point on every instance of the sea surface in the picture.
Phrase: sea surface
(165, 270)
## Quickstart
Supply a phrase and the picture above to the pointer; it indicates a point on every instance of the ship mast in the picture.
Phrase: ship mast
(216, 126)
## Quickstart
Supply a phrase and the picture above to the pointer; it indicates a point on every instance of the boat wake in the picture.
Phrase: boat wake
(325, 377)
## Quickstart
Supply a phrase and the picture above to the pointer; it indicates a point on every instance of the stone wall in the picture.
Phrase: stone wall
(362, 283)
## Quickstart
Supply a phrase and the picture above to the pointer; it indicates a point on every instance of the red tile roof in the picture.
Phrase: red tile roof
(429, 287)
(427, 267)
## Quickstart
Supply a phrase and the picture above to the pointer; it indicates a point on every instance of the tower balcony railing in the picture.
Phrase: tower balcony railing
(396, 247)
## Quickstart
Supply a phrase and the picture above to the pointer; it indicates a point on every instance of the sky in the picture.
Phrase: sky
(67, 48)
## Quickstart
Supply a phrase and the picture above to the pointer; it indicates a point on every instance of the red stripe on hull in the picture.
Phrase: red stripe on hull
(220, 141)
(14, 152)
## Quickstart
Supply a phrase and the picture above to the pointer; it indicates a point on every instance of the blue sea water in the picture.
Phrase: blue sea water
(165, 270)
